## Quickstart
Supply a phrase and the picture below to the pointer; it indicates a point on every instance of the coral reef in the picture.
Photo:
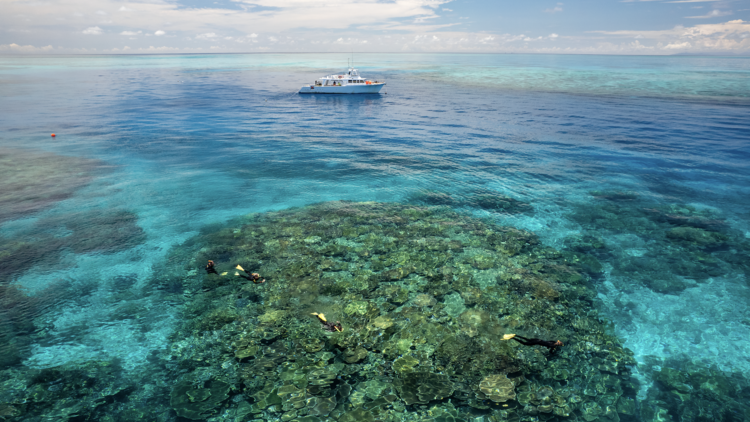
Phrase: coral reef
(81, 232)
(483, 199)
(74, 392)
(497, 388)
(18, 312)
(689, 391)
(670, 243)
(424, 296)
(33, 180)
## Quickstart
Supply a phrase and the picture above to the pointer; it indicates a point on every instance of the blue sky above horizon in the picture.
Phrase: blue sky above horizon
(583, 26)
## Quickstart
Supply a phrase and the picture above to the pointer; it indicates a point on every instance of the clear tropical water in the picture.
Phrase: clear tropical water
(647, 156)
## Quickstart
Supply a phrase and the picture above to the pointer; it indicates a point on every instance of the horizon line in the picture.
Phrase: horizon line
(723, 54)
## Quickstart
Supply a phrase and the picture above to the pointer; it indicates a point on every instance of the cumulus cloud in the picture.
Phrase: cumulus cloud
(728, 36)
(712, 14)
(93, 30)
(294, 25)
(678, 46)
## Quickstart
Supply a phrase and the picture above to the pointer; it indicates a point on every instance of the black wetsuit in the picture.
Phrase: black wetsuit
(256, 279)
(249, 278)
(211, 269)
(551, 345)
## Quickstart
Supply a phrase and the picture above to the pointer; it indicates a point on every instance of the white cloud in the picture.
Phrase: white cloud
(728, 36)
(92, 30)
(309, 22)
(163, 49)
(681, 46)
(101, 13)
(712, 14)
(15, 48)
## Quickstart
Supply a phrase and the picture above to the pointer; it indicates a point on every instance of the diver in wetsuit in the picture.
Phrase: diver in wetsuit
(254, 277)
(551, 345)
(211, 268)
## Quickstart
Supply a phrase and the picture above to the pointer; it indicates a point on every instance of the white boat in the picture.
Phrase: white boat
(349, 83)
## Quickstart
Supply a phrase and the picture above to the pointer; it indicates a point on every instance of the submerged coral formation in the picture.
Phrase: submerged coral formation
(423, 295)
(660, 246)
(483, 199)
(84, 391)
(91, 231)
(688, 391)
(33, 180)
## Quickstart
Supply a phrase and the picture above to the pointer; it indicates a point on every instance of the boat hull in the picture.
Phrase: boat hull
(344, 89)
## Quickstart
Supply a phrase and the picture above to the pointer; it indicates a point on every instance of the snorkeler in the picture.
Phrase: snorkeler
(254, 277)
(211, 267)
(328, 325)
(551, 345)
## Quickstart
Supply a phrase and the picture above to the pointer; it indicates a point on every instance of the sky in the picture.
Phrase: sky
(480, 26)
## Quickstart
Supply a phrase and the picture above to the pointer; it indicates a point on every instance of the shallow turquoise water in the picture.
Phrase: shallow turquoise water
(190, 141)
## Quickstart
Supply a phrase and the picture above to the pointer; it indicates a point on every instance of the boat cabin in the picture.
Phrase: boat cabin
(351, 77)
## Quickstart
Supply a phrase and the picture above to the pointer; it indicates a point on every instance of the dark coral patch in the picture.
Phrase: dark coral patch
(32, 180)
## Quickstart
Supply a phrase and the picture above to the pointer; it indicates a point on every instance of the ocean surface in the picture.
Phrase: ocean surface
(645, 158)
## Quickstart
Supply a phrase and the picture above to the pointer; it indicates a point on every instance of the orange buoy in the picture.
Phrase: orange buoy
(53, 135)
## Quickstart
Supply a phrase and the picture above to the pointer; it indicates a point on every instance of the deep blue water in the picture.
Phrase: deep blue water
(194, 140)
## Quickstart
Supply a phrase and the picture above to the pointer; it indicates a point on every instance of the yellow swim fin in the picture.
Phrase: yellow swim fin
(320, 316)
